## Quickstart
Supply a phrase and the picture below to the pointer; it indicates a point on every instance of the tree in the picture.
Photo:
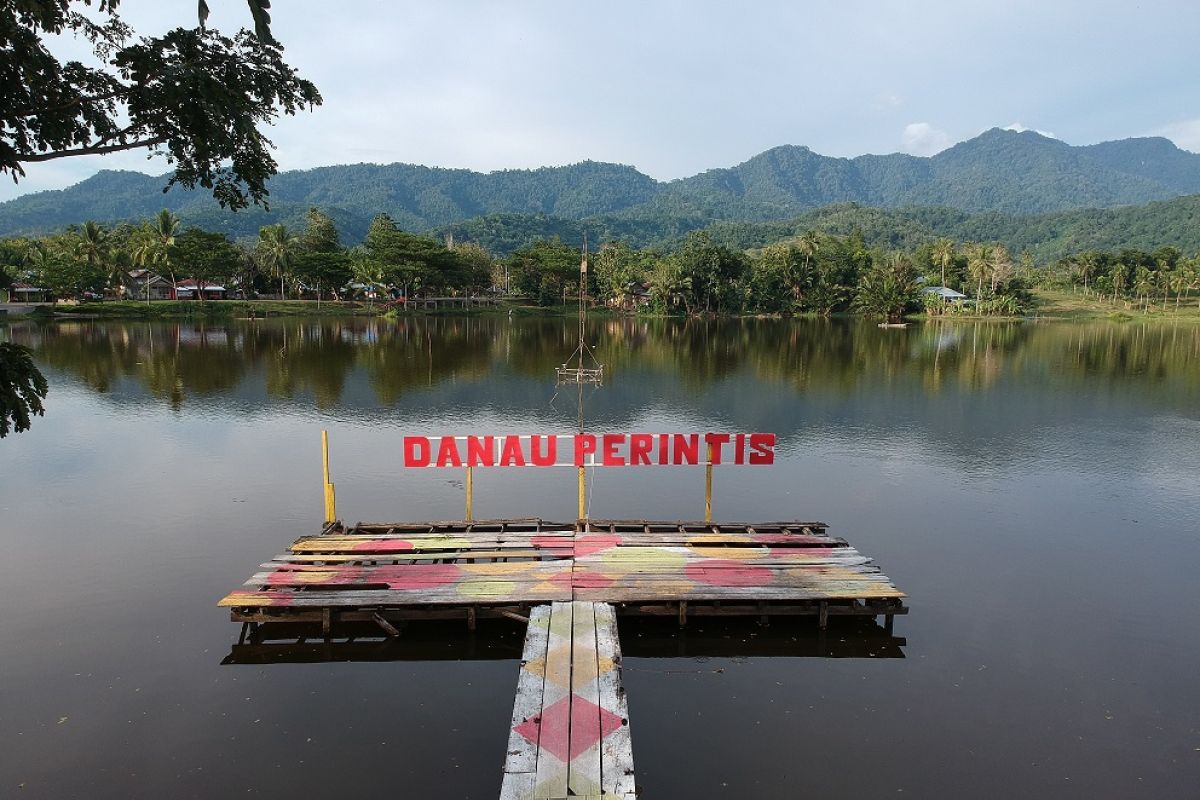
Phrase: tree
(156, 240)
(943, 255)
(191, 95)
(276, 251)
(22, 389)
(1143, 284)
(999, 267)
(544, 270)
(320, 260)
(979, 265)
(208, 258)
(95, 248)
(809, 244)
(888, 288)
(320, 233)
(712, 272)
(789, 265)
(616, 266)
(1120, 279)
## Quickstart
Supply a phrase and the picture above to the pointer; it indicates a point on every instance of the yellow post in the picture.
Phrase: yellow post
(708, 486)
(470, 492)
(582, 492)
(330, 496)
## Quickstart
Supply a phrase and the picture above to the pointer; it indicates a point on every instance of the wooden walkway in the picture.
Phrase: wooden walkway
(570, 729)
(570, 725)
(451, 570)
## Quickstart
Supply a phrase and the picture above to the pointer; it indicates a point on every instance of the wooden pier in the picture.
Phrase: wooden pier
(570, 734)
(570, 726)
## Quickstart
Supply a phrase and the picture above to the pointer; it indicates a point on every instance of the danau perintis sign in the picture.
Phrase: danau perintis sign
(590, 450)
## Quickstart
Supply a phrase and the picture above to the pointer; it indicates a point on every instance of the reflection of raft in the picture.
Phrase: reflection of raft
(893, 324)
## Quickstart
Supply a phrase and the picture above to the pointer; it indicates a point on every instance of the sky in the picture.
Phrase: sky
(674, 88)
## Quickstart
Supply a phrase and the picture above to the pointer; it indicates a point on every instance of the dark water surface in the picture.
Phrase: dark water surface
(1035, 488)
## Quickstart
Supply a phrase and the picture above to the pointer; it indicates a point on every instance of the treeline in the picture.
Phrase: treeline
(91, 260)
(1130, 276)
(813, 272)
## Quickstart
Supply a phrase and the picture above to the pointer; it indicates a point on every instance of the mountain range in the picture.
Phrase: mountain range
(998, 172)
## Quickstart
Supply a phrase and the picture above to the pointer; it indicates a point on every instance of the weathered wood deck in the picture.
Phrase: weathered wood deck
(500, 568)
(570, 725)
(569, 735)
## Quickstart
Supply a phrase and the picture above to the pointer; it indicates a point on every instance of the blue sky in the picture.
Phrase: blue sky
(675, 88)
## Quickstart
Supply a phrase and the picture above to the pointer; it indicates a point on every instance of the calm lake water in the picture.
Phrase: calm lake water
(1033, 487)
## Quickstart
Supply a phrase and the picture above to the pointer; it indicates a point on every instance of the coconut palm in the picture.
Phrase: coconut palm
(943, 255)
(979, 259)
(163, 228)
(1143, 284)
(276, 251)
(94, 247)
(808, 244)
(1120, 279)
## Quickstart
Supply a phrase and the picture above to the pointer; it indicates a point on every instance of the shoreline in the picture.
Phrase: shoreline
(1049, 305)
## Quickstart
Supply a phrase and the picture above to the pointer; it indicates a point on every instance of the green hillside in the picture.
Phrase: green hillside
(1005, 172)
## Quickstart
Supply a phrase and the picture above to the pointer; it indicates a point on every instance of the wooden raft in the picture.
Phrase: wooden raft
(570, 726)
(500, 568)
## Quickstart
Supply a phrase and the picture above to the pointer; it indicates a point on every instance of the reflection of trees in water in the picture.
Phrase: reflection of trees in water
(174, 361)
(414, 353)
(313, 356)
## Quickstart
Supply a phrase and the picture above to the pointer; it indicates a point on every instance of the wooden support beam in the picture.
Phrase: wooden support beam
(388, 628)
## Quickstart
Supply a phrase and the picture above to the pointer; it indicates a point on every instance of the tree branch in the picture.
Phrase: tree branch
(91, 150)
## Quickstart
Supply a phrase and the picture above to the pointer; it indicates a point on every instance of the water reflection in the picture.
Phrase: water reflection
(503, 640)
(373, 363)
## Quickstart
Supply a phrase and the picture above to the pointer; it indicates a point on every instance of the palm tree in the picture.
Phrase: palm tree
(164, 226)
(94, 248)
(1087, 268)
(943, 255)
(1144, 285)
(276, 250)
(979, 259)
(1120, 279)
(809, 244)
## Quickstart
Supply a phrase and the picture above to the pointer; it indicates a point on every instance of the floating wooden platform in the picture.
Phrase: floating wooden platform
(570, 725)
(457, 570)
(569, 735)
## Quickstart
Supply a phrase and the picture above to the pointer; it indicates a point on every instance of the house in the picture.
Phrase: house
(28, 293)
(632, 297)
(142, 284)
(190, 288)
(947, 294)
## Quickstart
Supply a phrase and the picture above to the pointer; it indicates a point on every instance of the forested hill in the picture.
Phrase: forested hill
(999, 171)
(1047, 236)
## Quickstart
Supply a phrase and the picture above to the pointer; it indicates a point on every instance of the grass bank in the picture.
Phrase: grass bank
(1065, 304)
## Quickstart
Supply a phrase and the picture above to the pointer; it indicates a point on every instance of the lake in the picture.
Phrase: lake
(1032, 486)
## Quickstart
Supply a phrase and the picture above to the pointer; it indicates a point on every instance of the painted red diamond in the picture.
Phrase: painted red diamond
(569, 727)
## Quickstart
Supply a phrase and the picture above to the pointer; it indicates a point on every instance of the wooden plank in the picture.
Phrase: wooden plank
(517, 786)
(521, 758)
(583, 777)
(555, 727)
(616, 754)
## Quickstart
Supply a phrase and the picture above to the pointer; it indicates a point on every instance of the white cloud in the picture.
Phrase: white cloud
(1019, 128)
(1185, 134)
(922, 139)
